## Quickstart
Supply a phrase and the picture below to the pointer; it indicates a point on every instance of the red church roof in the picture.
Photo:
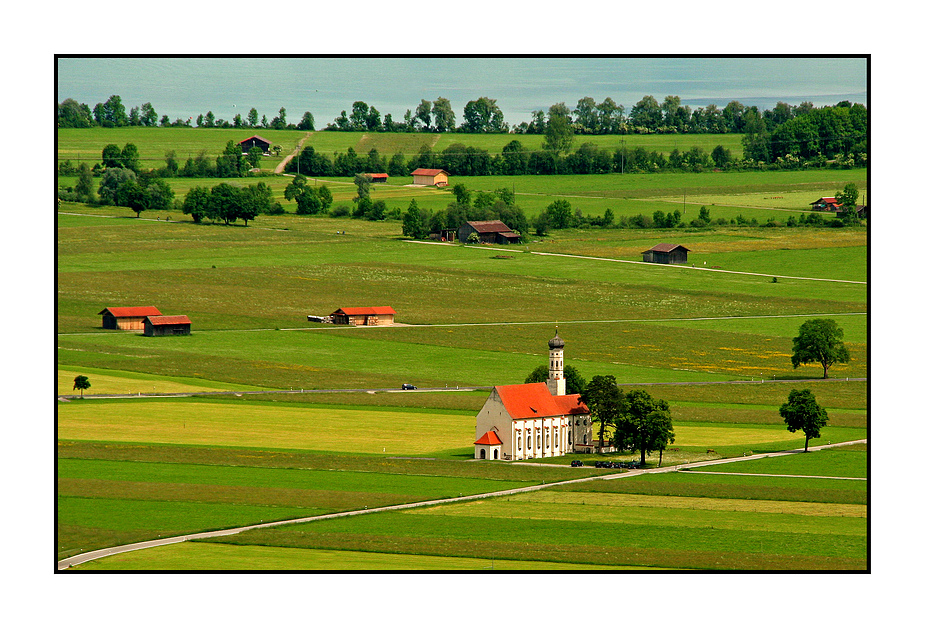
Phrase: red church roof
(141, 311)
(489, 438)
(528, 401)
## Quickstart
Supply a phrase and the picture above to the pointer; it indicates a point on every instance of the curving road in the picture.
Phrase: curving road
(111, 551)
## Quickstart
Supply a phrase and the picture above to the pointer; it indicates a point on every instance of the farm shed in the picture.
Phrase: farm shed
(666, 254)
(431, 176)
(255, 140)
(167, 325)
(826, 204)
(489, 232)
(369, 316)
(127, 317)
(377, 177)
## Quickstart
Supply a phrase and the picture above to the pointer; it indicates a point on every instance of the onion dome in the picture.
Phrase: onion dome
(556, 343)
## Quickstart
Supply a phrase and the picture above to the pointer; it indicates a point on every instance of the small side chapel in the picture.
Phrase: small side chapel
(527, 421)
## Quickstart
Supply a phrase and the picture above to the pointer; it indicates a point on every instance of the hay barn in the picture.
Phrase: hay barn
(431, 176)
(127, 317)
(167, 325)
(255, 140)
(368, 316)
(666, 254)
(489, 232)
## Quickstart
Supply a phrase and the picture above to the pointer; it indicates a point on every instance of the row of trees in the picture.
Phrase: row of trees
(481, 115)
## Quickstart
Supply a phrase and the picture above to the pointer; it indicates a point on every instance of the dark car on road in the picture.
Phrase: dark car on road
(408, 387)
(577, 463)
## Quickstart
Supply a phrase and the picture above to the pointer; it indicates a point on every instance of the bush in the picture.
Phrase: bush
(340, 211)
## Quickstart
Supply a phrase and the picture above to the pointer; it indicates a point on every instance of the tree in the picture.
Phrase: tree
(148, 115)
(558, 129)
(801, 412)
(820, 340)
(648, 426)
(606, 402)
(560, 214)
(412, 222)
(363, 183)
(575, 384)
(423, 113)
(196, 203)
(252, 117)
(129, 157)
(253, 156)
(84, 187)
(444, 118)
(112, 181)
(307, 123)
(81, 383)
(112, 156)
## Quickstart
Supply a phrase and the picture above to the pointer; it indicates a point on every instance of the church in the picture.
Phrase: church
(527, 421)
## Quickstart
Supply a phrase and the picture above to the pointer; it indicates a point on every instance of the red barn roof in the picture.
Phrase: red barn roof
(170, 320)
(429, 172)
(141, 311)
(489, 438)
(366, 311)
(255, 137)
(528, 401)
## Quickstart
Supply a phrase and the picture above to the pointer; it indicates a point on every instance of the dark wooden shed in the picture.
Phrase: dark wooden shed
(167, 325)
(666, 254)
(255, 140)
(489, 232)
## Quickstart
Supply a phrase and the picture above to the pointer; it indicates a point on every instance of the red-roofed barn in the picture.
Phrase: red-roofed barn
(127, 317)
(488, 231)
(431, 176)
(371, 316)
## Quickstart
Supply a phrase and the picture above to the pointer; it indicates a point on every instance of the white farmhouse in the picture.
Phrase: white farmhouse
(526, 421)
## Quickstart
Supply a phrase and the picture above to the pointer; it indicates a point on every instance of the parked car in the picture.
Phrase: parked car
(408, 387)
(577, 463)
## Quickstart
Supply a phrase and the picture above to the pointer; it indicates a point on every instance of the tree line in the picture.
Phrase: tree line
(482, 115)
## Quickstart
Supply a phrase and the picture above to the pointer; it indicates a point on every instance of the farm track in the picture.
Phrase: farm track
(111, 551)
(650, 264)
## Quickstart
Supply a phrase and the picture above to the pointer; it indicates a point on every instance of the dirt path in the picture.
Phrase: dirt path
(110, 551)
(282, 165)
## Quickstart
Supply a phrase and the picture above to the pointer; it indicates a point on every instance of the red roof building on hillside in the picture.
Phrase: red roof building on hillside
(826, 203)
(431, 176)
(127, 317)
(370, 316)
(255, 140)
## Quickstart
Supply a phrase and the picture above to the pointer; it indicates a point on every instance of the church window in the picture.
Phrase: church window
(528, 440)
(518, 443)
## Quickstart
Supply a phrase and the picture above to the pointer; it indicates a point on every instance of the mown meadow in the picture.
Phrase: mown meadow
(712, 338)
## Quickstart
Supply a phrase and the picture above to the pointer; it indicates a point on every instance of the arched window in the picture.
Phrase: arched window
(518, 443)
(482, 454)
(496, 454)
(528, 440)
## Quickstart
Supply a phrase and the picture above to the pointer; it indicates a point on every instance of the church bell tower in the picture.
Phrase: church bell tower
(556, 381)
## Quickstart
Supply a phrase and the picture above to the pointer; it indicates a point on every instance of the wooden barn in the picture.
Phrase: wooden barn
(255, 140)
(431, 176)
(489, 232)
(370, 316)
(167, 325)
(377, 177)
(666, 254)
(127, 317)
(825, 204)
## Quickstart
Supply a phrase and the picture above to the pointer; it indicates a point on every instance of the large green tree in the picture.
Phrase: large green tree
(559, 133)
(820, 340)
(801, 412)
(647, 427)
(81, 383)
(606, 402)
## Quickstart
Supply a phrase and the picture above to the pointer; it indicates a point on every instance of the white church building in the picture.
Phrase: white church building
(527, 421)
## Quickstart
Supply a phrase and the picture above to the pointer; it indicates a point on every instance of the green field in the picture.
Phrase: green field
(712, 338)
